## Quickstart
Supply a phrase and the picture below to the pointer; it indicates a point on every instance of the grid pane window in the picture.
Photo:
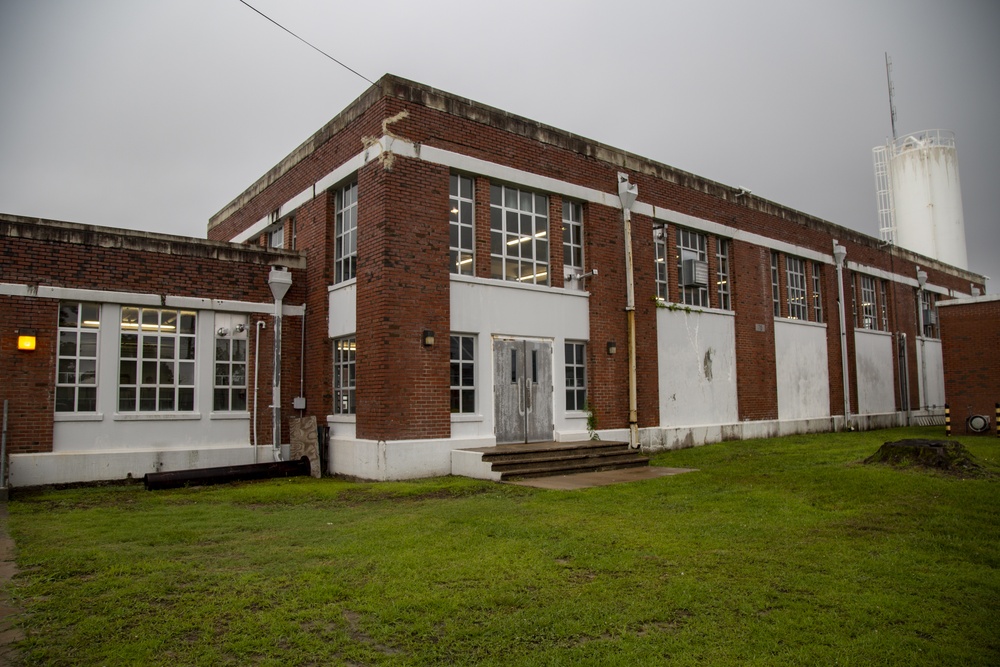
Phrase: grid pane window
(660, 250)
(795, 273)
(156, 360)
(722, 274)
(461, 225)
(572, 226)
(576, 376)
(928, 314)
(691, 246)
(345, 235)
(519, 241)
(230, 374)
(276, 239)
(76, 364)
(868, 302)
(463, 374)
(817, 294)
(884, 304)
(344, 377)
(775, 288)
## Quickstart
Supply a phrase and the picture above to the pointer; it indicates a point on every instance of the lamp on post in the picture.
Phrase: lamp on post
(279, 280)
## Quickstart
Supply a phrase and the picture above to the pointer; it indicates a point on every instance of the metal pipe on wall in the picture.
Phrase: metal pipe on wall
(627, 193)
(839, 254)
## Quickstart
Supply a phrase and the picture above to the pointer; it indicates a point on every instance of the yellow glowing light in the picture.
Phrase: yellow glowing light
(25, 342)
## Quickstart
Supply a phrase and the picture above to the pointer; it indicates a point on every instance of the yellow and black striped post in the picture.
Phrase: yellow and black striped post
(947, 420)
(996, 419)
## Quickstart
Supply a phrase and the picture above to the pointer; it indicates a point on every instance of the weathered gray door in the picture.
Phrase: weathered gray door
(522, 390)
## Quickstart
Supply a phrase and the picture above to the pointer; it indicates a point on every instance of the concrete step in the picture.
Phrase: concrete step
(568, 468)
(529, 453)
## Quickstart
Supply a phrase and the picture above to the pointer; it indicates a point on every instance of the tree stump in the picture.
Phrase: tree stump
(944, 455)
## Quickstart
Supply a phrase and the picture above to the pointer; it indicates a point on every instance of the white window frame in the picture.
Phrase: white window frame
(77, 357)
(572, 227)
(345, 234)
(775, 285)
(163, 362)
(519, 235)
(463, 374)
(869, 308)
(345, 376)
(795, 288)
(230, 384)
(660, 258)
(576, 375)
(722, 275)
(817, 292)
(462, 204)
(691, 245)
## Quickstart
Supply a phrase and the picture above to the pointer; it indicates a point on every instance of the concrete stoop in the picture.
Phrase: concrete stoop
(544, 459)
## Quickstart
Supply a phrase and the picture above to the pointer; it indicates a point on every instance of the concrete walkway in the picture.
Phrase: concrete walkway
(8, 613)
(586, 480)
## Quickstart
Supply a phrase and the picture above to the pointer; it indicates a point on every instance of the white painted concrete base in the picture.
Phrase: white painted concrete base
(467, 463)
(659, 439)
(117, 464)
(397, 459)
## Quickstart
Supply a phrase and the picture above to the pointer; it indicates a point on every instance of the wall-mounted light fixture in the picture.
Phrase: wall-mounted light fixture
(428, 338)
(27, 339)
(612, 347)
(222, 332)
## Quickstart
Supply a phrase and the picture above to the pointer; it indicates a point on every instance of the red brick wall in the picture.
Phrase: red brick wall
(970, 344)
(403, 288)
(27, 378)
(461, 126)
(51, 254)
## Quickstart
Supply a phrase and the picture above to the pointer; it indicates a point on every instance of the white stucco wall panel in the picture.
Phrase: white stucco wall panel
(697, 367)
(803, 377)
(876, 388)
(930, 371)
(489, 308)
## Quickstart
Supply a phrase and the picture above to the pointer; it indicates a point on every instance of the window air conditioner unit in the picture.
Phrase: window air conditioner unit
(694, 273)
(930, 317)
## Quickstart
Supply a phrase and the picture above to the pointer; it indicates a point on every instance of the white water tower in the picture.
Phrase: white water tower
(920, 196)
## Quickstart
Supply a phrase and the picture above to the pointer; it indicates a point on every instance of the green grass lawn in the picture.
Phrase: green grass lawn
(784, 551)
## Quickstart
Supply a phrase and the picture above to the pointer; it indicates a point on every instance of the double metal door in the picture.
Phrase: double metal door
(522, 390)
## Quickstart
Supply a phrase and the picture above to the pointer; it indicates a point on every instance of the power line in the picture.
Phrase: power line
(353, 71)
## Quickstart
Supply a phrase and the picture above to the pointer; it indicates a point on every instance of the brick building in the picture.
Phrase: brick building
(970, 341)
(460, 280)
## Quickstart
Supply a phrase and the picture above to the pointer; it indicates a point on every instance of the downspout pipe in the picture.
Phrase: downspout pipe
(839, 255)
(279, 280)
(627, 193)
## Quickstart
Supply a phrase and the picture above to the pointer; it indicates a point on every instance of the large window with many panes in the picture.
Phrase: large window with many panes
(775, 286)
(692, 267)
(462, 242)
(345, 234)
(660, 253)
(572, 227)
(817, 292)
(868, 305)
(576, 376)
(795, 287)
(156, 360)
(463, 374)
(723, 282)
(76, 363)
(230, 373)
(519, 235)
(344, 376)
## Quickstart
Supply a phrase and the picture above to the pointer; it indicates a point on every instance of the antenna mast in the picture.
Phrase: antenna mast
(892, 103)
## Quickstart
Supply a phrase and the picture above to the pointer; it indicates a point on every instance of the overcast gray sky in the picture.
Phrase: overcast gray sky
(154, 114)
